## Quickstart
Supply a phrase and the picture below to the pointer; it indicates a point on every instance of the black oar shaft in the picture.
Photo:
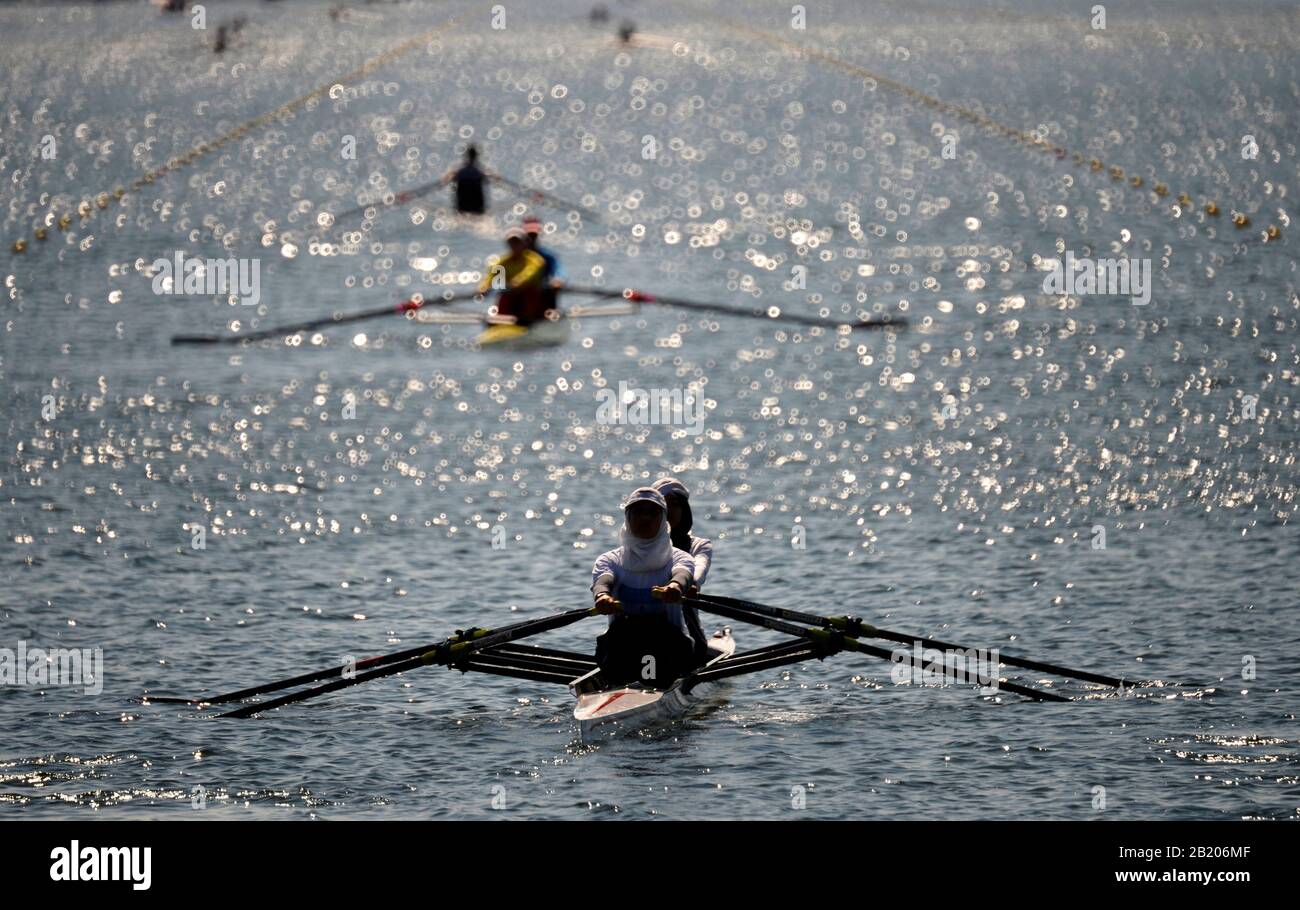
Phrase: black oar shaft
(765, 315)
(294, 328)
(447, 652)
(837, 640)
(425, 188)
(553, 200)
(406, 306)
(398, 199)
(724, 669)
(341, 683)
(498, 669)
(315, 676)
(368, 664)
(870, 631)
(858, 628)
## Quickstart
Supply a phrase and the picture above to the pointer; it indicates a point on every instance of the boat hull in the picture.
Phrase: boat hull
(634, 708)
(504, 337)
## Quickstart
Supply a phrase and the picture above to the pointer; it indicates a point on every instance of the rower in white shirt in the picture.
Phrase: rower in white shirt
(680, 522)
(641, 585)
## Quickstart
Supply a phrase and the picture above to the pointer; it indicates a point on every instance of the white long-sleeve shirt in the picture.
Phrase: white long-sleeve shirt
(632, 589)
(702, 554)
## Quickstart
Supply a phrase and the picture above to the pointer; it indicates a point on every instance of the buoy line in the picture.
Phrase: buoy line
(101, 200)
(1211, 208)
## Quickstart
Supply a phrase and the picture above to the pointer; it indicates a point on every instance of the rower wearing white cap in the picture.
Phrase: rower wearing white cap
(680, 522)
(554, 278)
(640, 585)
(518, 275)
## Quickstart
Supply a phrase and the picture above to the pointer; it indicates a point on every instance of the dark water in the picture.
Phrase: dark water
(327, 537)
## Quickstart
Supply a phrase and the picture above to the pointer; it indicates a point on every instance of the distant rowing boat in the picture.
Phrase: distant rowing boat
(377, 205)
(420, 309)
(503, 334)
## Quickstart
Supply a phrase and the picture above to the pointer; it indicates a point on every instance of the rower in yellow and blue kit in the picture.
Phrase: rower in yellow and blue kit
(518, 275)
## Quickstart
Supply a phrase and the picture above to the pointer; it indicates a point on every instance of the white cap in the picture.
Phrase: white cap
(646, 494)
(671, 486)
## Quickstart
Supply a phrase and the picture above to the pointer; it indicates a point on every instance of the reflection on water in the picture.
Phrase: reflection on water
(1072, 478)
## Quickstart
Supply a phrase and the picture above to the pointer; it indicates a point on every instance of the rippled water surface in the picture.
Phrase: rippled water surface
(952, 479)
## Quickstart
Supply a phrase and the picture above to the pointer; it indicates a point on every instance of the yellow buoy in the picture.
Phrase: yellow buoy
(20, 246)
(119, 192)
(1240, 220)
(65, 221)
(1184, 199)
(1117, 173)
(102, 200)
(40, 233)
(1162, 190)
(1211, 208)
(1136, 181)
(1095, 164)
(1273, 232)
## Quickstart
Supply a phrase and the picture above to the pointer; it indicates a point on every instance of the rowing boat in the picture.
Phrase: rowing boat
(636, 707)
(601, 706)
(417, 308)
(501, 334)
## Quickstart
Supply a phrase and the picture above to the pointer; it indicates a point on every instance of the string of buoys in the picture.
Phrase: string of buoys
(1210, 207)
(85, 209)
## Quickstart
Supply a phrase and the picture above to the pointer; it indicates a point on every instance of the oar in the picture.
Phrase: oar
(772, 314)
(406, 306)
(539, 196)
(836, 640)
(425, 188)
(447, 652)
(314, 676)
(370, 662)
(398, 199)
(860, 629)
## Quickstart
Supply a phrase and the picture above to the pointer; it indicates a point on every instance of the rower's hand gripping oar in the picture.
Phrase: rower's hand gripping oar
(835, 640)
(771, 314)
(405, 307)
(449, 651)
(859, 629)
(607, 605)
